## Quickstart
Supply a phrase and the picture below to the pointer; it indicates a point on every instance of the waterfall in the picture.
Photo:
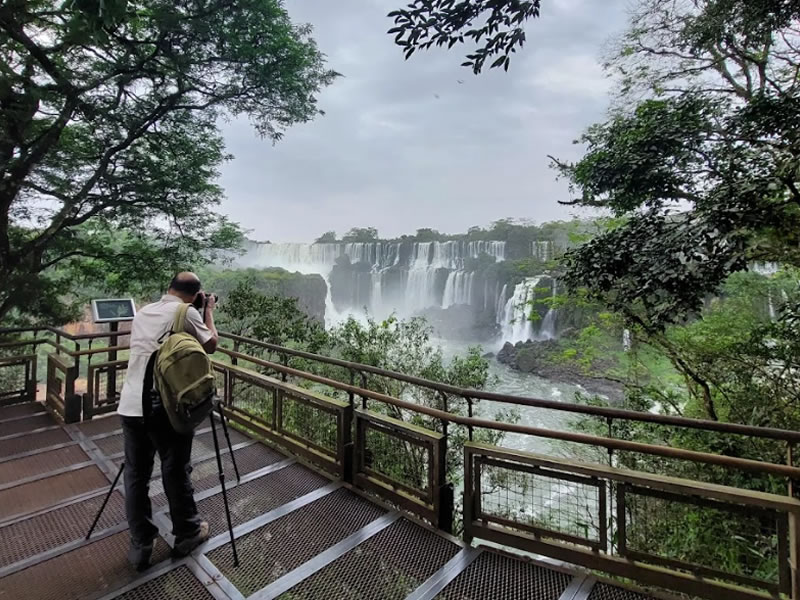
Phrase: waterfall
(500, 307)
(517, 326)
(543, 250)
(413, 267)
(458, 289)
(626, 340)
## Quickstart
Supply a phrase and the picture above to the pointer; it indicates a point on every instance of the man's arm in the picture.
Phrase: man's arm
(211, 345)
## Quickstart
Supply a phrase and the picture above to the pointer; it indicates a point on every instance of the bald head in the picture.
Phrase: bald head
(185, 285)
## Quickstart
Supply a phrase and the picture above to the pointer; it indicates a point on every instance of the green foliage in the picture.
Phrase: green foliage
(425, 23)
(361, 234)
(109, 145)
(273, 319)
(328, 237)
(405, 346)
(703, 169)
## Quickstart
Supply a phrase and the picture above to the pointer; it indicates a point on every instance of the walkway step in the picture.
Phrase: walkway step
(18, 410)
(388, 565)
(48, 492)
(86, 573)
(33, 441)
(283, 545)
(492, 576)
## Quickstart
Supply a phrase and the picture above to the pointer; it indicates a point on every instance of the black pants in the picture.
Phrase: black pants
(142, 440)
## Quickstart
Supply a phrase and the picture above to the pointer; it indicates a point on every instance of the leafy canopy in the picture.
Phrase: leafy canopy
(108, 132)
(494, 26)
(699, 158)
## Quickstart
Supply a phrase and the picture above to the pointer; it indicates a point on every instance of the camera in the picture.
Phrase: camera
(201, 299)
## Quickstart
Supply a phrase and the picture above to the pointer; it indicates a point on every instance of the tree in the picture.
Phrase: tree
(361, 234)
(108, 132)
(700, 157)
(499, 23)
(274, 319)
(426, 234)
(328, 237)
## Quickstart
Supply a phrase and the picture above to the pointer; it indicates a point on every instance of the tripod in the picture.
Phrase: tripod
(216, 406)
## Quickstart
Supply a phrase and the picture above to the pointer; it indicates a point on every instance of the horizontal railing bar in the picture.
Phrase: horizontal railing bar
(580, 438)
(675, 485)
(598, 411)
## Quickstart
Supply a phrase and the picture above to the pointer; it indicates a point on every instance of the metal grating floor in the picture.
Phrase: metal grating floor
(46, 557)
(26, 424)
(20, 410)
(38, 464)
(603, 591)
(34, 441)
(390, 565)
(100, 425)
(283, 545)
(47, 492)
(57, 527)
(179, 584)
(254, 498)
(203, 443)
(86, 573)
(492, 576)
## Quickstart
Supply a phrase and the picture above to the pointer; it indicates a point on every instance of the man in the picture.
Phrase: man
(146, 427)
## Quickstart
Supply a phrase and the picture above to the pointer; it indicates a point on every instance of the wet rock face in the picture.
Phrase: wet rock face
(538, 359)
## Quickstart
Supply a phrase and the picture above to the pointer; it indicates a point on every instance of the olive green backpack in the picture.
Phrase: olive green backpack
(183, 377)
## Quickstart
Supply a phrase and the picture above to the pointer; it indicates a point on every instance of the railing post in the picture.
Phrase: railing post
(794, 553)
(72, 401)
(111, 376)
(345, 435)
(78, 358)
(469, 413)
(469, 496)
(235, 360)
(285, 363)
(32, 381)
(351, 395)
(444, 490)
(363, 386)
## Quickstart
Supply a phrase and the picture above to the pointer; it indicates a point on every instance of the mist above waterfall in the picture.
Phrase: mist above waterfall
(462, 286)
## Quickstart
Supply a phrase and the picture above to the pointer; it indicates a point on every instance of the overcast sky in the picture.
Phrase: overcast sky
(405, 145)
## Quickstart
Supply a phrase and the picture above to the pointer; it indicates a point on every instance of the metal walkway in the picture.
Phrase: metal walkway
(299, 534)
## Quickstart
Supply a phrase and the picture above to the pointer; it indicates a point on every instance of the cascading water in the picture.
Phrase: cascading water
(458, 289)
(517, 326)
(418, 264)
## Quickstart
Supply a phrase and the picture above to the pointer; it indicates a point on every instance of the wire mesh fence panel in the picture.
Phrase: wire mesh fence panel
(310, 423)
(732, 541)
(252, 397)
(400, 460)
(566, 505)
(13, 378)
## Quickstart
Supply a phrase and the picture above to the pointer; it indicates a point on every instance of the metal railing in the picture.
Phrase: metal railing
(587, 513)
(560, 509)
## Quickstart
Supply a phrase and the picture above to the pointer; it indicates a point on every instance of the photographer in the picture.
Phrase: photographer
(147, 429)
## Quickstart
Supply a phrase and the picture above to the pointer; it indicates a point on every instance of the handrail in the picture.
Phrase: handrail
(60, 332)
(598, 411)
(580, 438)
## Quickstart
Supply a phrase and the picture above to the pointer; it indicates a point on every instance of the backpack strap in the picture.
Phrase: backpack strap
(179, 325)
(149, 394)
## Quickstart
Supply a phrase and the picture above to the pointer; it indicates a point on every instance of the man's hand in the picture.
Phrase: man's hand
(211, 302)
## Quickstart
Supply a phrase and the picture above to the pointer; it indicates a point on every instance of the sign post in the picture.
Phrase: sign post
(112, 311)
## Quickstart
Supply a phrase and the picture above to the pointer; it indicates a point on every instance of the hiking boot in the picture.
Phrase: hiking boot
(184, 546)
(139, 555)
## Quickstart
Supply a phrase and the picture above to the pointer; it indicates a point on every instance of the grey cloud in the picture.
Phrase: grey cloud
(406, 145)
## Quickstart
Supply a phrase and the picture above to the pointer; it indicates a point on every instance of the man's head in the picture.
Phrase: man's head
(185, 286)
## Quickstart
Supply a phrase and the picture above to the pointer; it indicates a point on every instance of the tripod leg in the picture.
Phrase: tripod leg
(108, 496)
(224, 491)
(230, 447)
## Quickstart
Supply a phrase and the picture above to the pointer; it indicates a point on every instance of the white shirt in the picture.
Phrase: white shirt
(149, 324)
